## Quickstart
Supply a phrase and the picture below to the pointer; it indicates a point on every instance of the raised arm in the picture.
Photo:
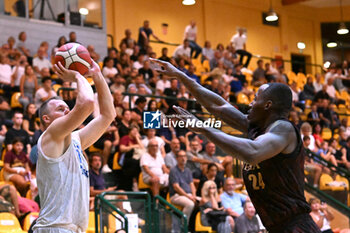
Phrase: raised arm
(280, 137)
(62, 127)
(94, 130)
(213, 102)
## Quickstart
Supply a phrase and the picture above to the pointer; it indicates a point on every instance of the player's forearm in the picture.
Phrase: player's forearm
(105, 99)
(85, 96)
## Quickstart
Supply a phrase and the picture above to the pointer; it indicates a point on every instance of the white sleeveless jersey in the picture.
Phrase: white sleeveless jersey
(64, 191)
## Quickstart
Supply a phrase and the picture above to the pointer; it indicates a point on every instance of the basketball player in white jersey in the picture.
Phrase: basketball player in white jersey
(62, 170)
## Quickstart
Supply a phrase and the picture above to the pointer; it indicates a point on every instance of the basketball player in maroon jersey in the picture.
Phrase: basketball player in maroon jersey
(273, 152)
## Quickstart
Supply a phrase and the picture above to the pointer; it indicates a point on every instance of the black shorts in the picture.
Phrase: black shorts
(300, 224)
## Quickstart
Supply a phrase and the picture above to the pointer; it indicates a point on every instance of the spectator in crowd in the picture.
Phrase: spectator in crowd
(191, 36)
(214, 61)
(30, 125)
(162, 84)
(247, 222)
(339, 154)
(154, 171)
(227, 60)
(16, 167)
(239, 43)
(224, 166)
(18, 71)
(310, 165)
(317, 133)
(210, 172)
(148, 74)
(138, 64)
(93, 54)
(181, 187)
(270, 73)
(318, 84)
(195, 159)
(44, 93)
(144, 34)
(61, 41)
(321, 95)
(5, 75)
(313, 117)
(118, 84)
(137, 112)
(207, 51)
(282, 77)
(338, 80)
(112, 53)
(221, 222)
(326, 154)
(125, 123)
(21, 44)
(330, 73)
(164, 56)
(170, 92)
(309, 89)
(132, 148)
(17, 132)
(130, 42)
(139, 82)
(72, 37)
(170, 158)
(151, 134)
(306, 130)
(259, 74)
(183, 52)
(13, 54)
(109, 71)
(321, 215)
(9, 193)
(28, 86)
(190, 73)
(41, 61)
(231, 200)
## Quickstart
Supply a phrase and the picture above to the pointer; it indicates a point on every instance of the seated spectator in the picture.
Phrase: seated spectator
(231, 200)
(317, 133)
(109, 71)
(325, 114)
(28, 86)
(322, 94)
(129, 101)
(127, 39)
(210, 172)
(183, 52)
(339, 154)
(30, 125)
(181, 187)
(5, 75)
(18, 71)
(112, 53)
(310, 164)
(270, 73)
(125, 123)
(137, 112)
(306, 130)
(309, 89)
(247, 222)
(227, 60)
(139, 82)
(123, 65)
(148, 74)
(41, 61)
(259, 74)
(17, 132)
(16, 167)
(321, 215)
(347, 146)
(207, 51)
(195, 159)
(170, 158)
(164, 56)
(44, 93)
(282, 77)
(93, 54)
(132, 148)
(313, 117)
(171, 92)
(8, 193)
(139, 63)
(190, 73)
(154, 171)
(21, 45)
(318, 85)
(212, 212)
(214, 61)
(224, 166)
(61, 41)
(162, 84)
(326, 154)
(151, 134)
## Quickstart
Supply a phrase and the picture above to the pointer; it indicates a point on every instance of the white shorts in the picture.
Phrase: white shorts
(163, 180)
(7, 176)
(52, 230)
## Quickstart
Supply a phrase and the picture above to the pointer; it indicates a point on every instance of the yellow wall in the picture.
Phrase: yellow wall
(217, 21)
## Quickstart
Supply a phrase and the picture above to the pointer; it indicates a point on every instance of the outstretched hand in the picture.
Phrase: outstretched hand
(66, 74)
(95, 69)
(184, 115)
(165, 67)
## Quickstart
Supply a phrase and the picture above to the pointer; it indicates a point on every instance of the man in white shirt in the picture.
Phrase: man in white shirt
(191, 35)
(44, 93)
(183, 52)
(238, 41)
(5, 75)
(41, 61)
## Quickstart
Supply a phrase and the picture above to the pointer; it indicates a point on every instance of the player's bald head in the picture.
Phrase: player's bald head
(280, 95)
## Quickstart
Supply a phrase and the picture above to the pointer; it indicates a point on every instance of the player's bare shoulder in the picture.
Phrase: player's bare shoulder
(288, 135)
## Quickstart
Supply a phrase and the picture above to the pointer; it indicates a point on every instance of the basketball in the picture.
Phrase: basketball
(74, 56)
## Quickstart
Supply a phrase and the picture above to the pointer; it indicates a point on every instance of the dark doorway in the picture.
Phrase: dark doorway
(298, 63)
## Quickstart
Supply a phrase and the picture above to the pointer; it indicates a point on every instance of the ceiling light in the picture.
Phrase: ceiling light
(332, 44)
(301, 45)
(83, 11)
(188, 2)
(326, 64)
(271, 16)
(342, 29)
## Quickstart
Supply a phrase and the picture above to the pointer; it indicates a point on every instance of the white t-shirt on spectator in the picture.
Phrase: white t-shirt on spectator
(42, 63)
(161, 85)
(181, 51)
(208, 53)
(137, 65)
(5, 74)
(331, 91)
(190, 33)
(317, 86)
(327, 76)
(109, 71)
(41, 93)
(239, 41)
(160, 141)
(154, 164)
(20, 72)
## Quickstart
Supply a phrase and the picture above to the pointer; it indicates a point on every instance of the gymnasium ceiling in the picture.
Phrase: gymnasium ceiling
(317, 3)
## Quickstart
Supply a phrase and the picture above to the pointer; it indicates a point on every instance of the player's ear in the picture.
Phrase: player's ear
(46, 119)
(268, 104)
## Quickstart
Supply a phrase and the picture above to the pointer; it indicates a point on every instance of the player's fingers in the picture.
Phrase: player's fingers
(58, 70)
(160, 71)
(62, 67)
(163, 63)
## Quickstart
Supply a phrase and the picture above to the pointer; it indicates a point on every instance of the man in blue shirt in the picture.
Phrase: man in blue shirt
(232, 201)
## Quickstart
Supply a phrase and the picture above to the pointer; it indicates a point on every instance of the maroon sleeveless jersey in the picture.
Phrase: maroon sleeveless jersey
(276, 185)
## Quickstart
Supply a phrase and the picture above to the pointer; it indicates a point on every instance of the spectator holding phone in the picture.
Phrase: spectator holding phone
(321, 215)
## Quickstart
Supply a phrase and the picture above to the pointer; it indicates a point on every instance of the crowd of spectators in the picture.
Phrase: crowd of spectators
(169, 158)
